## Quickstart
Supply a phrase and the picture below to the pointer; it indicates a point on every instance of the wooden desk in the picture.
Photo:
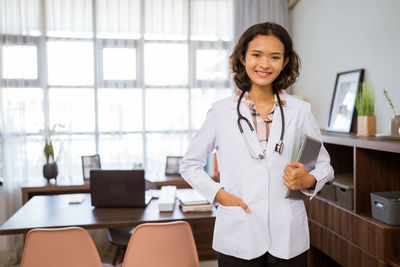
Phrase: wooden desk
(72, 186)
(51, 211)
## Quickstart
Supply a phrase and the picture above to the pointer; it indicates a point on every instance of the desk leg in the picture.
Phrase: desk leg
(203, 231)
(25, 196)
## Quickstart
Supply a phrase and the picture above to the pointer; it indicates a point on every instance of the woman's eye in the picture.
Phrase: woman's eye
(276, 58)
(256, 55)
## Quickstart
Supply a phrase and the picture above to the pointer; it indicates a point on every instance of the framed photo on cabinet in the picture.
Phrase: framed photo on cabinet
(341, 115)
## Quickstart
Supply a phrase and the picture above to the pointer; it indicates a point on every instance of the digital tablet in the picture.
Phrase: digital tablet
(308, 155)
(309, 151)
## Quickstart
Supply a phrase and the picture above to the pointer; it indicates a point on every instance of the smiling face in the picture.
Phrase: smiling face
(264, 61)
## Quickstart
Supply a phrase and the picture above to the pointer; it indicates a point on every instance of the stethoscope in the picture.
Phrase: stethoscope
(278, 146)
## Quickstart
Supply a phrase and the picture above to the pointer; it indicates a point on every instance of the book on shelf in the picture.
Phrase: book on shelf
(212, 165)
(191, 201)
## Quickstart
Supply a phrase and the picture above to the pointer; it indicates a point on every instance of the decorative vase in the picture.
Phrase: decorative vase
(50, 171)
(366, 126)
(395, 125)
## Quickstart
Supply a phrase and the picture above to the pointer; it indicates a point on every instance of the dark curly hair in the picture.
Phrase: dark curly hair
(289, 73)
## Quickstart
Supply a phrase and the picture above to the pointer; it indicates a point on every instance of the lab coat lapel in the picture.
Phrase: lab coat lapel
(250, 136)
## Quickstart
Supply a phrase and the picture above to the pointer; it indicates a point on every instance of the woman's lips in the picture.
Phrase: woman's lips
(263, 74)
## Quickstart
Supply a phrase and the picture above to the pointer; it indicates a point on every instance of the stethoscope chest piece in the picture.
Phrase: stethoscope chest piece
(279, 147)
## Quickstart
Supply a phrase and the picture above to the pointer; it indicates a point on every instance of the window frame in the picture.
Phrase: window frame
(99, 43)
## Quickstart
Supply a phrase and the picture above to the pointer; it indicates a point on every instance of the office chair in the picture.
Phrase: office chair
(120, 238)
(116, 236)
(162, 244)
(61, 247)
(88, 163)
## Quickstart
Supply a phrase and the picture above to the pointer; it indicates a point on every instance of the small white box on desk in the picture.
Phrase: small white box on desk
(166, 201)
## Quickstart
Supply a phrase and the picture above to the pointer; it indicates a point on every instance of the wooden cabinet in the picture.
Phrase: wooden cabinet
(351, 237)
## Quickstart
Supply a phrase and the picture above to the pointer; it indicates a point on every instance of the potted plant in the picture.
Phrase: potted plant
(395, 121)
(365, 105)
(50, 169)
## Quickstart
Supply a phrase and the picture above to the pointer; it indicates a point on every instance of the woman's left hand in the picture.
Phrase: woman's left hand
(296, 176)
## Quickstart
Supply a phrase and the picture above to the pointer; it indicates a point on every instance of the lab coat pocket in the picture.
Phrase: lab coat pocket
(229, 220)
(233, 214)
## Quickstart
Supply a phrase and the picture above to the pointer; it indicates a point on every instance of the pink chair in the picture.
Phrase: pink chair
(161, 244)
(61, 247)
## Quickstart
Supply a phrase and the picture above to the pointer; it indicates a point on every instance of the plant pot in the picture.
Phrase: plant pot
(366, 126)
(395, 126)
(50, 171)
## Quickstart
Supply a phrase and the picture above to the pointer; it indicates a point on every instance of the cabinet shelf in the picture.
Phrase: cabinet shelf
(352, 140)
(363, 216)
(374, 165)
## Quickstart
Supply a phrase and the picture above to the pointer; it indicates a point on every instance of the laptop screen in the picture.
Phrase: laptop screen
(117, 188)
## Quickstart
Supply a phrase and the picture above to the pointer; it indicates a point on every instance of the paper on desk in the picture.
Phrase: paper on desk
(153, 193)
(75, 199)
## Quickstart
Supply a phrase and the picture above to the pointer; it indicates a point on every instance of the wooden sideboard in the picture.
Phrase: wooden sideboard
(351, 237)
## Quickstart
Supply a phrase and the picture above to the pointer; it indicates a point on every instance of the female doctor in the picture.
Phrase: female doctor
(254, 134)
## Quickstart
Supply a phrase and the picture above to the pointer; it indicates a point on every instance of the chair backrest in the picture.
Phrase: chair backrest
(162, 244)
(60, 247)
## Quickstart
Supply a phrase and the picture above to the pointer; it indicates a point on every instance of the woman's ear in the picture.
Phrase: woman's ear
(285, 62)
(242, 60)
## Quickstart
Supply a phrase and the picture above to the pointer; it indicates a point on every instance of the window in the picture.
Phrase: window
(130, 80)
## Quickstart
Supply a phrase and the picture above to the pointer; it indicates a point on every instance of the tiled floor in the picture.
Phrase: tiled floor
(212, 263)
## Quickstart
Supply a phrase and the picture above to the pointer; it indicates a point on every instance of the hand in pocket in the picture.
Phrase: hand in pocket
(227, 199)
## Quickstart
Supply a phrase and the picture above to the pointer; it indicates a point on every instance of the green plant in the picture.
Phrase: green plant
(48, 147)
(365, 101)
(49, 151)
(385, 92)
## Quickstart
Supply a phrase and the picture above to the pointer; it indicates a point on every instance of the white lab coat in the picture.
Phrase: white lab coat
(275, 224)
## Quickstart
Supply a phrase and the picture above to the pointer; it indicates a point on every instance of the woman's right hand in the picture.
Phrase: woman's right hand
(226, 199)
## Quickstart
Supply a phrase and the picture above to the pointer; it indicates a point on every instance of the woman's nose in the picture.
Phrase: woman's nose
(264, 63)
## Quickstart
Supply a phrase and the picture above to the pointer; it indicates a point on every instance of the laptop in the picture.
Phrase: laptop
(117, 188)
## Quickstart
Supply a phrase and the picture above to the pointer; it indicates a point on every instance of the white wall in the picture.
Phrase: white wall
(333, 36)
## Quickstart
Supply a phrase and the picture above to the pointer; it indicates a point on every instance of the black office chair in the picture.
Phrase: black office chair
(116, 236)
(120, 238)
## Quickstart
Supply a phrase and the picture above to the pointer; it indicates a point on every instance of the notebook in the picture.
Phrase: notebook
(308, 155)
(189, 196)
(117, 188)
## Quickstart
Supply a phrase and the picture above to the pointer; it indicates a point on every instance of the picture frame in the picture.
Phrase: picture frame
(173, 163)
(89, 163)
(341, 114)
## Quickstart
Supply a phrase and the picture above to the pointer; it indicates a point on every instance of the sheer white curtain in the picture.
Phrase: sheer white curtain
(131, 80)
(252, 12)
(21, 101)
